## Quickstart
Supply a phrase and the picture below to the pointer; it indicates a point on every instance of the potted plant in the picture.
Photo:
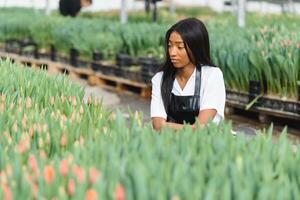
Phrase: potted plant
(96, 56)
(74, 57)
(148, 64)
(12, 46)
(52, 52)
(298, 91)
(255, 89)
(124, 60)
(29, 47)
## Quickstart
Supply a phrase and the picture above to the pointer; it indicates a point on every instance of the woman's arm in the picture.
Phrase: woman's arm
(206, 115)
(203, 117)
(158, 123)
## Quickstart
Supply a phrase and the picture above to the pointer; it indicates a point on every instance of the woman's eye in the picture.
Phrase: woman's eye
(180, 47)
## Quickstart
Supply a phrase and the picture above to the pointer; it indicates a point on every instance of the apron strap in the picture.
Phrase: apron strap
(198, 81)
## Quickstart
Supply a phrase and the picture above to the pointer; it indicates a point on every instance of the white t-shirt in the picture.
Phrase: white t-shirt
(212, 92)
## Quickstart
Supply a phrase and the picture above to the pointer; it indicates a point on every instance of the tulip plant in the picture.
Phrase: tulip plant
(55, 146)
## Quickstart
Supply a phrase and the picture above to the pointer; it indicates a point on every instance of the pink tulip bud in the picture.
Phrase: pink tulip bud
(79, 173)
(33, 164)
(63, 140)
(94, 174)
(49, 174)
(91, 194)
(71, 187)
(63, 167)
(119, 192)
(7, 195)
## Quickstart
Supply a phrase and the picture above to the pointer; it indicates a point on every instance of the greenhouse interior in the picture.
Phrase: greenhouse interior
(211, 86)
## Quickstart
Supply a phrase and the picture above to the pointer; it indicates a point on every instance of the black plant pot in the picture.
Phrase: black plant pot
(63, 59)
(255, 89)
(74, 57)
(148, 64)
(36, 51)
(278, 105)
(12, 46)
(124, 60)
(96, 66)
(52, 52)
(299, 93)
(110, 70)
(118, 72)
(27, 42)
(145, 77)
(105, 70)
(132, 75)
(83, 63)
(290, 107)
(97, 56)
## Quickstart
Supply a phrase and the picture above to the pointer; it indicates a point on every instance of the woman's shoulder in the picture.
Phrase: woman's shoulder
(157, 77)
(211, 71)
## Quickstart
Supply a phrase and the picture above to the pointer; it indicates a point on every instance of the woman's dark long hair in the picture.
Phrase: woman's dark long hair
(196, 42)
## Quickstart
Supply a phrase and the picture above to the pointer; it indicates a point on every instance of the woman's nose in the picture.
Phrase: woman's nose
(172, 51)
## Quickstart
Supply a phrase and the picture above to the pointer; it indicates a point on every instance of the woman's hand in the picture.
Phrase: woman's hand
(203, 117)
(158, 123)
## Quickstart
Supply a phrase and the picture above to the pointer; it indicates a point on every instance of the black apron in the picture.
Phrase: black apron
(185, 109)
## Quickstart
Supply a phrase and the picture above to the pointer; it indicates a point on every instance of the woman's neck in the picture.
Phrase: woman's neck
(185, 72)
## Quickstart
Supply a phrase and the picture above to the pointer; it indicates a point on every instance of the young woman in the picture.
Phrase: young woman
(189, 86)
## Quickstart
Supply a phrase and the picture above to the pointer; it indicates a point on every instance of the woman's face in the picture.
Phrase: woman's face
(178, 53)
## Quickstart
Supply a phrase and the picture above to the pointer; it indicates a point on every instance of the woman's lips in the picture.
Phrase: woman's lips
(174, 61)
